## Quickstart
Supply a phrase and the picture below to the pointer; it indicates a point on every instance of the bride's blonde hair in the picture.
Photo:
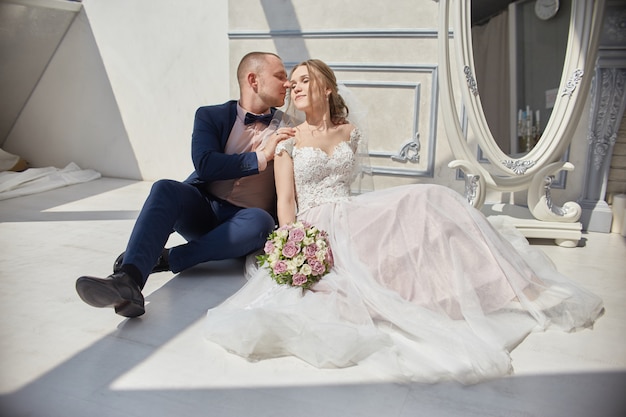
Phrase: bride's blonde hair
(322, 77)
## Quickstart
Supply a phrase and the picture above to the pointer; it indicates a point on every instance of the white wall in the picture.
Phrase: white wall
(386, 54)
(120, 93)
(382, 48)
(28, 39)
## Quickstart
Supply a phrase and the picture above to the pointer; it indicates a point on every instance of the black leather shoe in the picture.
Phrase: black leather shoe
(118, 291)
(162, 264)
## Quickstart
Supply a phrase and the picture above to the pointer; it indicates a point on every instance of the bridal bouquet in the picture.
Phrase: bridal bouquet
(297, 254)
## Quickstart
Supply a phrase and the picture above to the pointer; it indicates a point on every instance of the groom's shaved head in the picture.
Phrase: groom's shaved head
(252, 62)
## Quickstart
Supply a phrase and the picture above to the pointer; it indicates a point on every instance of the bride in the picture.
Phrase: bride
(423, 286)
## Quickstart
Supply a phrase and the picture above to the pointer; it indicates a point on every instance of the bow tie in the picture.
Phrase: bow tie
(253, 118)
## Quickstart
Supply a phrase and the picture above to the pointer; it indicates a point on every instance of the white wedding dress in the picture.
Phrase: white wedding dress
(424, 287)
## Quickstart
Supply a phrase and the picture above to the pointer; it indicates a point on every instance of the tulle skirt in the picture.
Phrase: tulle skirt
(424, 288)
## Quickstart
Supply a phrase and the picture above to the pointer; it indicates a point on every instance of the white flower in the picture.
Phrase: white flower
(299, 259)
(292, 268)
(306, 270)
(278, 245)
(274, 256)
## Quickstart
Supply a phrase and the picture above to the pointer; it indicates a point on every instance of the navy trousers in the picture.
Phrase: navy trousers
(214, 229)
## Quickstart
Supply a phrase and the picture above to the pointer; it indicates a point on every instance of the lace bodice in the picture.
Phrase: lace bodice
(321, 178)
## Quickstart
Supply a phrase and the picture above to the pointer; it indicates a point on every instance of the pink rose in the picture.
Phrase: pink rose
(297, 235)
(269, 247)
(290, 249)
(280, 267)
(310, 251)
(317, 267)
(299, 279)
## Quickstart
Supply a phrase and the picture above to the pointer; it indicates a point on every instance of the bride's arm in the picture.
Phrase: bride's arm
(285, 188)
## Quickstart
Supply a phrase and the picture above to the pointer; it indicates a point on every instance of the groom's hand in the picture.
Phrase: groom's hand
(274, 139)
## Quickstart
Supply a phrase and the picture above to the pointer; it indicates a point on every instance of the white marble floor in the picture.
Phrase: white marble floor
(63, 358)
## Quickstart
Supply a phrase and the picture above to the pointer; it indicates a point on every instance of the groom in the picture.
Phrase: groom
(224, 209)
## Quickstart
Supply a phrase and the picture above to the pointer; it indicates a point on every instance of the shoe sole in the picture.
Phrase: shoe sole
(97, 294)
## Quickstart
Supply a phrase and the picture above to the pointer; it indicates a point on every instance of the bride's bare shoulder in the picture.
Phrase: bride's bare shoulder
(346, 130)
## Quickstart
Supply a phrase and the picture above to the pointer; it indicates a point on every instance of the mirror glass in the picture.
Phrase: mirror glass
(519, 52)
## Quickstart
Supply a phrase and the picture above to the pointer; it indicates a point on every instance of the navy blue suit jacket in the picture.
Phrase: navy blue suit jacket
(211, 128)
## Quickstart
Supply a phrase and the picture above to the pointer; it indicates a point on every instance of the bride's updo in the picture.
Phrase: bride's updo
(323, 78)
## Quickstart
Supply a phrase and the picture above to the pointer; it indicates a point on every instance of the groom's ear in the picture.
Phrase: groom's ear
(252, 80)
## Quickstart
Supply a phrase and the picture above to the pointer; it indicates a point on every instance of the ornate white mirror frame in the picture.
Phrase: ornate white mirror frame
(533, 171)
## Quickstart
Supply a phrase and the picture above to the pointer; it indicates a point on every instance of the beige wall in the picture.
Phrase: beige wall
(389, 55)
(119, 94)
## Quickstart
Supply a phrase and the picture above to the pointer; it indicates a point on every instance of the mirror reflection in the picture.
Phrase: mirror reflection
(519, 51)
